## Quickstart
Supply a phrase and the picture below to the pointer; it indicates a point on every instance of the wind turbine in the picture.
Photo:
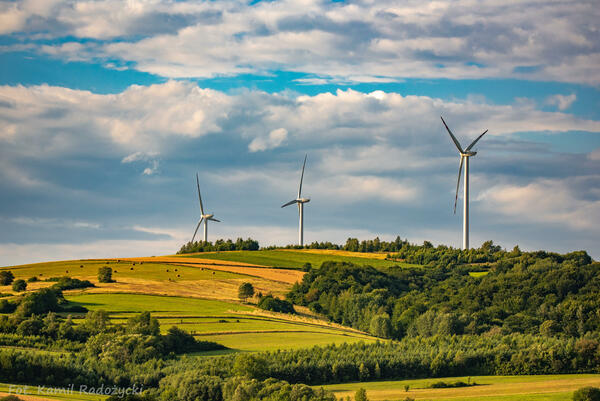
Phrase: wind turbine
(203, 217)
(464, 157)
(300, 201)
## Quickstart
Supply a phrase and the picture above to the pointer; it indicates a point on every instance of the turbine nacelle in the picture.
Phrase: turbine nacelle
(303, 200)
(468, 154)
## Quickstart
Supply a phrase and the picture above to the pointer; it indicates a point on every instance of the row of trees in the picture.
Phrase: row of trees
(220, 245)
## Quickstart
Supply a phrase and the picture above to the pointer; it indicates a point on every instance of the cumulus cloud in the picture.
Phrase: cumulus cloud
(572, 202)
(562, 102)
(348, 41)
(148, 157)
(271, 141)
(380, 152)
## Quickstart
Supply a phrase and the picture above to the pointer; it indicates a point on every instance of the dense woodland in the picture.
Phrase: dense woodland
(479, 312)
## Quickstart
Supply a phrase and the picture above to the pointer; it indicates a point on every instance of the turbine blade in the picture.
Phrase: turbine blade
(458, 182)
(302, 176)
(213, 219)
(199, 196)
(196, 231)
(290, 203)
(452, 136)
(475, 141)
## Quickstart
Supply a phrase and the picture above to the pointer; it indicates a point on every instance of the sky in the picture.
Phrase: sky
(109, 108)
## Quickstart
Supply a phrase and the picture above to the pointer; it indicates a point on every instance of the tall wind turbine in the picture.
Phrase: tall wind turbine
(300, 201)
(464, 157)
(203, 216)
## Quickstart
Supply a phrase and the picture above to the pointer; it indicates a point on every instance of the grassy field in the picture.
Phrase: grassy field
(240, 327)
(292, 258)
(489, 388)
(198, 281)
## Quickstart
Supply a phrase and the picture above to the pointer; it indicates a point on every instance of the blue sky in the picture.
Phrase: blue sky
(107, 110)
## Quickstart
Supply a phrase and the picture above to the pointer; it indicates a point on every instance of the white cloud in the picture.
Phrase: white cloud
(546, 201)
(271, 141)
(356, 41)
(563, 102)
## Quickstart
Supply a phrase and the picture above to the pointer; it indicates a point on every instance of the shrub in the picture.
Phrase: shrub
(275, 304)
(361, 395)
(32, 279)
(587, 394)
(68, 283)
(19, 285)
(6, 277)
(105, 274)
(11, 398)
(245, 291)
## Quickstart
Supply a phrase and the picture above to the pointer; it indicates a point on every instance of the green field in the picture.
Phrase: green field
(291, 258)
(145, 270)
(230, 324)
(488, 388)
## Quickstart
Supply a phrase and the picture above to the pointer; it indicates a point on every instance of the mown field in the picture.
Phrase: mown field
(154, 277)
(292, 258)
(239, 327)
(488, 388)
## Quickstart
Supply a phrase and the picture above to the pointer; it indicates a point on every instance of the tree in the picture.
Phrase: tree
(143, 324)
(19, 285)
(361, 395)
(381, 326)
(245, 291)
(6, 277)
(587, 394)
(105, 274)
(250, 366)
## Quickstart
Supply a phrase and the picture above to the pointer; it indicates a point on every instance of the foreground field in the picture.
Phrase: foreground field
(240, 327)
(489, 388)
(296, 258)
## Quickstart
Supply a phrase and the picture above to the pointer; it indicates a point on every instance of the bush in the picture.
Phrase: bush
(245, 291)
(32, 279)
(587, 394)
(19, 285)
(6, 277)
(105, 274)
(68, 283)
(11, 398)
(275, 304)
(361, 395)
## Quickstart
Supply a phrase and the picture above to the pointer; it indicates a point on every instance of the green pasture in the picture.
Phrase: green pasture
(142, 270)
(291, 259)
(283, 340)
(488, 388)
(229, 324)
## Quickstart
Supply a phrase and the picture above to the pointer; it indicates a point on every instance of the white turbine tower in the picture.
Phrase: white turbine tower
(300, 201)
(203, 217)
(464, 157)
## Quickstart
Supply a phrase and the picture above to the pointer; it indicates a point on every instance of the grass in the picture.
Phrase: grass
(124, 269)
(30, 392)
(489, 388)
(295, 259)
(236, 326)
